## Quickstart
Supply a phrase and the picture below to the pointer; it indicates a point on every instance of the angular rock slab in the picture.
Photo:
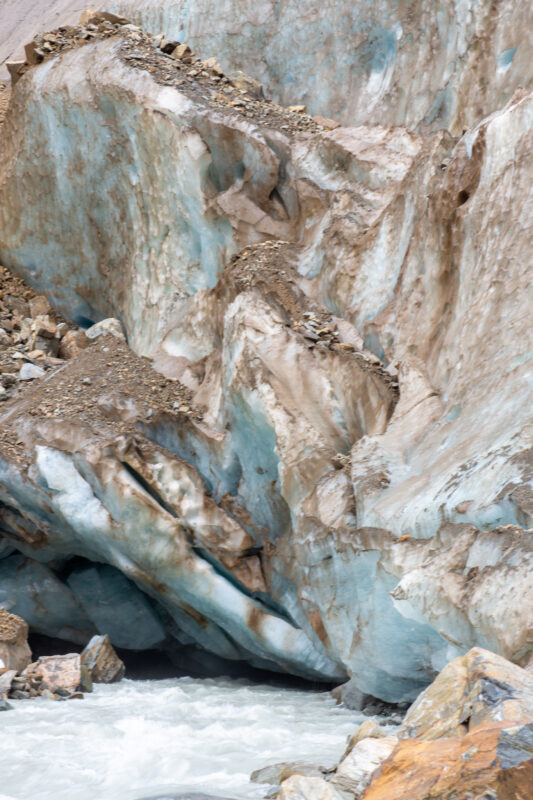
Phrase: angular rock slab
(356, 770)
(101, 661)
(477, 688)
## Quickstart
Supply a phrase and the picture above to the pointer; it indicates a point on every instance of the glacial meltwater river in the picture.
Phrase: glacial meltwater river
(140, 739)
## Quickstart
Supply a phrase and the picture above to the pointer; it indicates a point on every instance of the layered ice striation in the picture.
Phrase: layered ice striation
(413, 64)
(348, 309)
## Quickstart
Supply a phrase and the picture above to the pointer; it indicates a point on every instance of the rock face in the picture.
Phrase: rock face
(312, 452)
(480, 687)
(15, 653)
(487, 755)
(493, 760)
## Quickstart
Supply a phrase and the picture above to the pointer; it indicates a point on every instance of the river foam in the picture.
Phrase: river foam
(142, 739)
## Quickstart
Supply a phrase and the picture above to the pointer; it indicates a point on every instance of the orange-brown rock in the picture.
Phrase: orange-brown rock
(14, 650)
(494, 761)
(71, 344)
(479, 687)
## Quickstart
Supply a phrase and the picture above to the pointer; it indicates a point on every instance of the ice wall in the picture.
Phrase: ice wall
(356, 496)
(420, 64)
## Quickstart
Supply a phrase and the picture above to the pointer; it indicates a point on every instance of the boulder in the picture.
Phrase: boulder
(182, 51)
(494, 760)
(15, 69)
(32, 52)
(15, 653)
(347, 694)
(242, 81)
(29, 372)
(43, 327)
(357, 769)
(61, 674)
(474, 689)
(71, 344)
(101, 661)
(6, 679)
(91, 16)
(368, 730)
(300, 787)
(109, 325)
(275, 774)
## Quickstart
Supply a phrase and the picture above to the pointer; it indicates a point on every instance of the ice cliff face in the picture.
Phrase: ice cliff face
(420, 64)
(349, 488)
(403, 63)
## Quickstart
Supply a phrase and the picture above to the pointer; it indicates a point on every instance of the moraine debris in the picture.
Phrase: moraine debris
(172, 63)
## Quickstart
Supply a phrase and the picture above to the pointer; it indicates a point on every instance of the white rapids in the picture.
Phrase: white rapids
(145, 739)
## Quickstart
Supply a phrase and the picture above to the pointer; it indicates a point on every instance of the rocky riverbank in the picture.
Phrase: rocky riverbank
(64, 677)
(469, 734)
